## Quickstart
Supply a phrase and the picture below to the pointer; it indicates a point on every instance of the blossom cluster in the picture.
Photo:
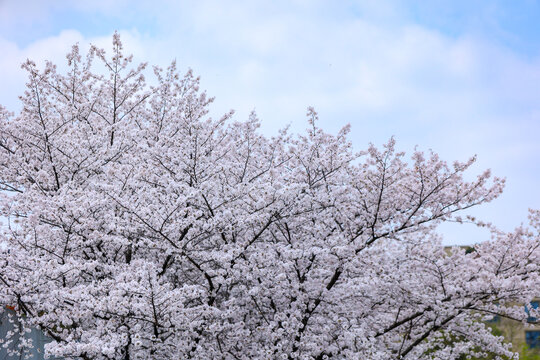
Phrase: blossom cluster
(141, 228)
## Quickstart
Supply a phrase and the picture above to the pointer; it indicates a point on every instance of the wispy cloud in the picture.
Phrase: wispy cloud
(372, 64)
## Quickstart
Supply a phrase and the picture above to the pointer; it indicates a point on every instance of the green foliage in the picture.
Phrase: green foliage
(529, 354)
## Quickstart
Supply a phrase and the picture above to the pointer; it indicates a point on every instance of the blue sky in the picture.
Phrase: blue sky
(458, 77)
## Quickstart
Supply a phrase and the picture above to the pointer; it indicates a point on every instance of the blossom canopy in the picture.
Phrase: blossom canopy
(147, 230)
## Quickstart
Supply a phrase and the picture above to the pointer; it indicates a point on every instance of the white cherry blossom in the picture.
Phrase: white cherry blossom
(140, 228)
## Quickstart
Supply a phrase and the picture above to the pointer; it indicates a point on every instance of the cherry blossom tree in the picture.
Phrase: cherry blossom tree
(141, 228)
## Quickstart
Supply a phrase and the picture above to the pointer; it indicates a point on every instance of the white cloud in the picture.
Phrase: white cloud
(459, 95)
